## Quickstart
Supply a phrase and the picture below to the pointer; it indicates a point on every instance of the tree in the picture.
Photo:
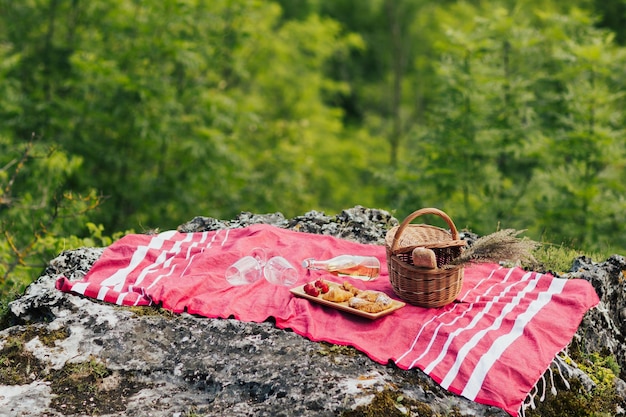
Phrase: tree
(525, 128)
(36, 212)
(501, 113)
(182, 108)
(586, 146)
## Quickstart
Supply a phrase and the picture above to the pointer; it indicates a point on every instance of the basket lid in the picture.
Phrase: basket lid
(406, 237)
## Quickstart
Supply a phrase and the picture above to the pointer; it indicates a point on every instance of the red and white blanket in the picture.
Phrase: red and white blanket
(490, 346)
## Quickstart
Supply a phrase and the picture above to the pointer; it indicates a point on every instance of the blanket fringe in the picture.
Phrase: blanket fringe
(558, 363)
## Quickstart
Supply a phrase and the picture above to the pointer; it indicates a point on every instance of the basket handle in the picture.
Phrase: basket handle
(422, 212)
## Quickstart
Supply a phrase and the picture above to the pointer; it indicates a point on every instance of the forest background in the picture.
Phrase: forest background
(128, 115)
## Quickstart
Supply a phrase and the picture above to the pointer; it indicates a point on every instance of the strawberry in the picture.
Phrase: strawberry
(311, 290)
(322, 286)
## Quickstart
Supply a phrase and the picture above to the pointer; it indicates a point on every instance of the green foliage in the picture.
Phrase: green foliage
(78, 388)
(525, 129)
(181, 108)
(38, 219)
(17, 365)
(602, 369)
(557, 258)
(576, 400)
(391, 402)
(504, 114)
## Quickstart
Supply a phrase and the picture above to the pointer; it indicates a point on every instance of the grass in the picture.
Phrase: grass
(81, 388)
(17, 365)
(576, 401)
(392, 403)
(559, 258)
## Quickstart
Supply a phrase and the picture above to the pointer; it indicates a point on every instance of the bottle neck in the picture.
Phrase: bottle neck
(336, 263)
(312, 263)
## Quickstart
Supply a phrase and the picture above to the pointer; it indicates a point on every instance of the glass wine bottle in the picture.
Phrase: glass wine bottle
(366, 268)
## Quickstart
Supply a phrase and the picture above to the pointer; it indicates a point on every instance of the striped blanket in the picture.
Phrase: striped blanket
(491, 346)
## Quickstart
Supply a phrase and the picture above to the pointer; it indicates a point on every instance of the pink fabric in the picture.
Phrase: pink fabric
(491, 346)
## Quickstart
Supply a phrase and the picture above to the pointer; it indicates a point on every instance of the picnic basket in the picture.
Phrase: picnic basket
(425, 287)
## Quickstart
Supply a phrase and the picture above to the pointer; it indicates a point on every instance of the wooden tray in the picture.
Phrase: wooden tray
(343, 306)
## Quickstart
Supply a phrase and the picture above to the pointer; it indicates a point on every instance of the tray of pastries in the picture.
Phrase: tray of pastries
(346, 297)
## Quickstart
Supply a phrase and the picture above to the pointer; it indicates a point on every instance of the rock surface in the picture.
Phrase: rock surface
(68, 355)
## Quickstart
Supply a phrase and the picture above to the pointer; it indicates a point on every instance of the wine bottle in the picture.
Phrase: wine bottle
(362, 267)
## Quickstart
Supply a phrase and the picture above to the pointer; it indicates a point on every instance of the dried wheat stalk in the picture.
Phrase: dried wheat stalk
(503, 245)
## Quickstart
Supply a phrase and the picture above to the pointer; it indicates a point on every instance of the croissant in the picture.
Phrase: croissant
(367, 306)
(383, 299)
(337, 295)
(368, 295)
(357, 303)
(349, 287)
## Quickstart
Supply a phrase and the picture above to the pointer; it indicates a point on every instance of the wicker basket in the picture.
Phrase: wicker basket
(425, 287)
